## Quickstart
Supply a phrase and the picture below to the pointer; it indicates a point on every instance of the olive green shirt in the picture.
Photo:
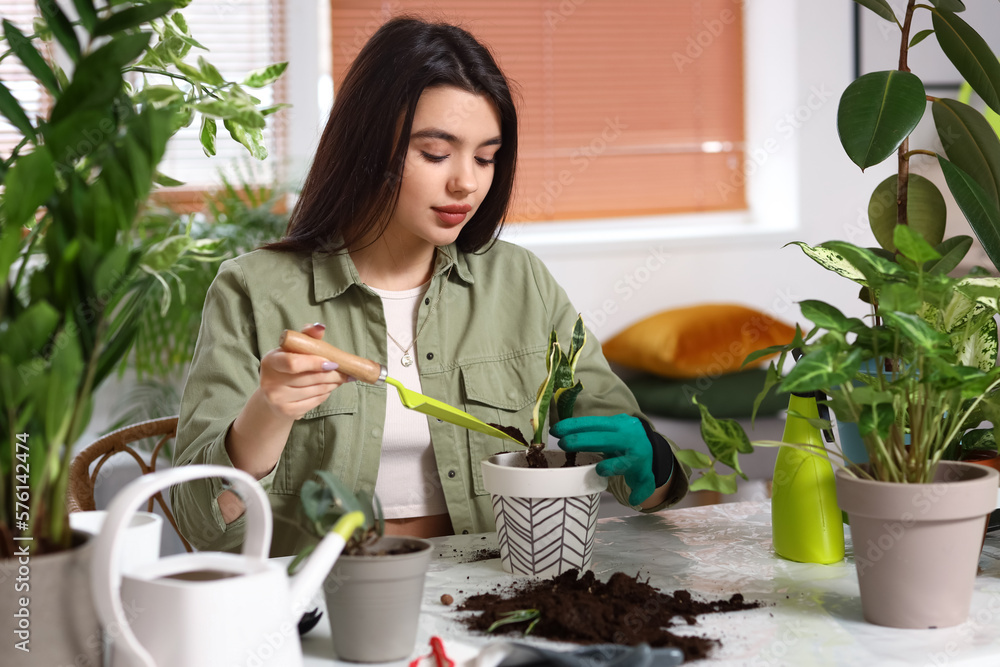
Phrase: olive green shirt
(482, 349)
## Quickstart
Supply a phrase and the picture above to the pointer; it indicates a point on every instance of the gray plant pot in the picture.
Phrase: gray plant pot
(62, 620)
(916, 546)
(373, 602)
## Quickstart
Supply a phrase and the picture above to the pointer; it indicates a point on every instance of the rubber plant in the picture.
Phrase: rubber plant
(932, 338)
(560, 387)
(77, 270)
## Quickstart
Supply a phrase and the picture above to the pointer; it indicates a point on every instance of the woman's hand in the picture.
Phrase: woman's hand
(292, 384)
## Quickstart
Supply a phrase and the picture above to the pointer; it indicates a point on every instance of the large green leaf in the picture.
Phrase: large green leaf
(831, 261)
(30, 56)
(877, 112)
(926, 210)
(259, 78)
(61, 27)
(87, 12)
(208, 131)
(899, 297)
(821, 368)
(876, 419)
(252, 138)
(979, 347)
(970, 54)
(952, 251)
(30, 183)
(915, 329)
(970, 143)
(829, 317)
(725, 439)
(880, 7)
(950, 5)
(983, 215)
(132, 17)
(98, 78)
(913, 245)
(920, 36)
(874, 267)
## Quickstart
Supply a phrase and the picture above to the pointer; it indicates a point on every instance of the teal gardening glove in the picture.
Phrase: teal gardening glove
(626, 443)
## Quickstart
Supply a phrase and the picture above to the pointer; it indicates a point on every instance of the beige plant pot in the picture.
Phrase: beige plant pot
(546, 518)
(373, 602)
(916, 546)
(59, 616)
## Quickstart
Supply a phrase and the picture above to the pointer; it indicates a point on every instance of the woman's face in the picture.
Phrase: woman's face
(449, 165)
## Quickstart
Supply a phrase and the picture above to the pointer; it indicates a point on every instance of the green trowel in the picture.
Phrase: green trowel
(375, 373)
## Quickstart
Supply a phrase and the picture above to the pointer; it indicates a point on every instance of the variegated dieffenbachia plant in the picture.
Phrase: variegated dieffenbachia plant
(560, 385)
(933, 342)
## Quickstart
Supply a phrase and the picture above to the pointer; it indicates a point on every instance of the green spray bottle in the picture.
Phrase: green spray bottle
(807, 525)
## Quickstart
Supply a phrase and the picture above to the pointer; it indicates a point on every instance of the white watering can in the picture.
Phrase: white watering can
(207, 609)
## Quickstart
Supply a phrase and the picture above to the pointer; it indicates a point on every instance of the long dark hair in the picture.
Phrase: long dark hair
(354, 182)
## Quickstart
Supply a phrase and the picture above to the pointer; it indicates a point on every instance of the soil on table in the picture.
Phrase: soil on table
(480, 555)
(583, 610)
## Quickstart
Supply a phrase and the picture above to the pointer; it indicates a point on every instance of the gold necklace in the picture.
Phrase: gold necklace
(406, 360)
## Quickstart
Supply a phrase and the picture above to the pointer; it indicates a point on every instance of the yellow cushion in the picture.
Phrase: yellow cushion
(707, 339)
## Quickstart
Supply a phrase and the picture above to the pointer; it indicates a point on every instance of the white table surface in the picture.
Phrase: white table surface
(812, 614)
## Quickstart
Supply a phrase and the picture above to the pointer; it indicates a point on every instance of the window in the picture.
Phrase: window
(627, 107)
(18, 79)
(240, 37)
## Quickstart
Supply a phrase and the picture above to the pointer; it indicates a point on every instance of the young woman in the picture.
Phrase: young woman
(391, 251)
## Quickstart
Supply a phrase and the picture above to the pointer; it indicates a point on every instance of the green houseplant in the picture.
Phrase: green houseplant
(545, 502)
(78, 269)
(374, 591)
(918, 376)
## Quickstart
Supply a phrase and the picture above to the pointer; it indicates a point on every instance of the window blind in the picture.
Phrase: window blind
(31, 96)
(240, 37)
(626, 107)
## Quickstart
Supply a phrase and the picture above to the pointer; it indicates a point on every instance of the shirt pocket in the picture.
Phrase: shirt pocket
(500, 392)
(306, 449)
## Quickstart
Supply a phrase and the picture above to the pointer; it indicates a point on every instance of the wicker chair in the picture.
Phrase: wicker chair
(82, 480)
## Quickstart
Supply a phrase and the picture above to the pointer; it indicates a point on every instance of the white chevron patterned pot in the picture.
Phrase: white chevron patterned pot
(546, 518)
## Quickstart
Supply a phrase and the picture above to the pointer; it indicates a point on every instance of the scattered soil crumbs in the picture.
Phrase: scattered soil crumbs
(582, 610)
(481, 554)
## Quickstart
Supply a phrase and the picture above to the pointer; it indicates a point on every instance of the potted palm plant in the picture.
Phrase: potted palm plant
(77, 270)
(919, 376)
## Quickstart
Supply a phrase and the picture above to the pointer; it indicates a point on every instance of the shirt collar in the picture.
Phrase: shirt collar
(333, 274)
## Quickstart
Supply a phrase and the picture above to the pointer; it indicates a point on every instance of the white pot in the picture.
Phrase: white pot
(546, 518)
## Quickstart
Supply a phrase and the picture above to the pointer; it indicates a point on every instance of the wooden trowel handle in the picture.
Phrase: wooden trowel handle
(357, 367)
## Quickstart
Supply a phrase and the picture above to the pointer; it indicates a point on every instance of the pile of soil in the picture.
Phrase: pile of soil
(582, 610)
